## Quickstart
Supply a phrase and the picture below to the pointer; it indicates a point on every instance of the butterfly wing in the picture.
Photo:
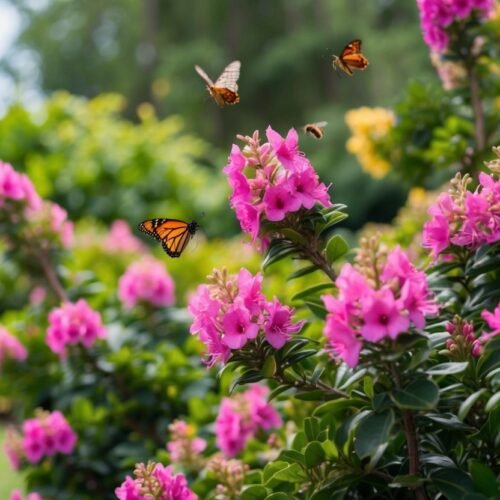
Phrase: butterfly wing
(174, 234)
(205, 77)
(353, 47)
(229, 77)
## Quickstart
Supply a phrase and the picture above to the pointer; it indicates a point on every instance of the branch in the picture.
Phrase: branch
(51, 276)
(477, 107)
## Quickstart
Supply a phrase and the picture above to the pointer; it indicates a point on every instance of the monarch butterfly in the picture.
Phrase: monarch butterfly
(174, 234)
(351, 58)
(315, 129)
(225, 89)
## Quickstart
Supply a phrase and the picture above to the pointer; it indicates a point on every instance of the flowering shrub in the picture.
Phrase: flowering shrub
(231, 313)
(241, 417)
(378, 299)
(17, 495)
(45, 435)
(155, 481)
(148, 282)
(184, 446)
(73, 324)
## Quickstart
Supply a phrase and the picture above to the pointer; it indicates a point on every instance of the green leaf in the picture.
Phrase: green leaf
(311, 428)
(372, 432)
(291, 473)
(269, 367)
(484, 479)
(302, 272)
(466, 406)
(292, 456)
(452, 483)
(448, 421)
(279, 495)
(406, 481)
(317, 308)
(492, 402)
(277, 391)
(336, 248)
(333, 220)
(279, 249)
(292, 235)
(337, 406)
(254, 492)
(448, 368)
(314, 454)
(312, 290)
(418, 395)
(315, 395)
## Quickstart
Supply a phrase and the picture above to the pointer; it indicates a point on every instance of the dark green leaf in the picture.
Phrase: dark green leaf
(314, 454)
(302, 272)
(292, 456)
(492, 402)
(484, 479)
(466, 406)
(337, 406)
(406, 481)
(254, 492)
(293, 235)
(419, 395)
(448, 368)
(372, 432)
(452, 482)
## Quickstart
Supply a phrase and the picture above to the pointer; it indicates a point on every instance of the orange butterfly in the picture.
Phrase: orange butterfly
(351, 58)
(174, 234)
(225, 89)
(315, 129)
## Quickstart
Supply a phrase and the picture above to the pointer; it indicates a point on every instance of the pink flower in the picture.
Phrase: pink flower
(121, 239)
(10, 347)
(60, 225)
(238, 328)
(383, 317)
(146, 281)
(493, 319)
(172, 486)
(241, 416)
(278, 201)
(306, 188)
(17, 187)
(37, 295)
(73, 323)
(287, 150)
(17, 495)
(232, 311)
(184, 447)
(415, 298)
(278, 327)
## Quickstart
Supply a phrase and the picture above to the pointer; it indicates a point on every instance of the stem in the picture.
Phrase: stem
(477, 108)
(411, 439)
(309, 386)
(318, 259)
(51, 276)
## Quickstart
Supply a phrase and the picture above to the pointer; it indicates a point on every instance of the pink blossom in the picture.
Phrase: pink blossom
(238, 328)
(286, 149)
(121, 239)
(60, 225)
(366, 312)
(46, 435)
(241, 416)
(278, 326)
(17, 495)
(10, 347)
(383, 317)
(37, 295)
(278, 201)
(306, 188)
(232, 311)
(73, 323)
(146, 281)
(172, 486)
(184, 447)
(463, 218)
(17, 187)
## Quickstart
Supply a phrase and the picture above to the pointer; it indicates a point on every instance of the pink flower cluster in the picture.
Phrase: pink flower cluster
(17, 495)
(232, 311)
(17, 187)
(45, 435)
(10, 347)
(493, 321)
(271, 180)
(241, 416)
(464, 218)
(184, 447)
(73, 323)
(155, 481)
(437, 15)
(462, 342)
(121, 239)
(368, 310)
(146, 281)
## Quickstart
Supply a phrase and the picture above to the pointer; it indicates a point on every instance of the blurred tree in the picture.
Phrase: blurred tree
(146, 51)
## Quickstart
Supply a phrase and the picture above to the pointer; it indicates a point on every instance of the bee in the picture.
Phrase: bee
(315, 129)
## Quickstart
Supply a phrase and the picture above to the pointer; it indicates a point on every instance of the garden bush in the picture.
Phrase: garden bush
(300, 369)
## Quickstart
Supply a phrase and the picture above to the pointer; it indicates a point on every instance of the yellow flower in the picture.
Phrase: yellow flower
(368, 127)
